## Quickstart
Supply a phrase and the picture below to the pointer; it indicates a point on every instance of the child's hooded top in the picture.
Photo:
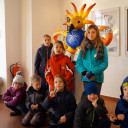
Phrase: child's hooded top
(62, 104)
(42, 56)
(59, 65)
(19, 94)
(35, 97)
(122, 108)
(86, 115)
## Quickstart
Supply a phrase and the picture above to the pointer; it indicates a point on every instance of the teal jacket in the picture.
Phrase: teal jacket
(91, 64)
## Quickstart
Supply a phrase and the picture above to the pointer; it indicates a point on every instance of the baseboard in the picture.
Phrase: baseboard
(102, 96)
(109, 98)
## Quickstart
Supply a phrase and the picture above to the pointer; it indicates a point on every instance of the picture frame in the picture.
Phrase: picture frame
(109, 17)
(68, 20)
(126, 29)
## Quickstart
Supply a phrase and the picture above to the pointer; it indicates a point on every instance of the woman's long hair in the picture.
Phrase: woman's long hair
(97, 43)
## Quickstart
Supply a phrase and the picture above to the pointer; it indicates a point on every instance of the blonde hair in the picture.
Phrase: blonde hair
(60, 42)
(35, 78)
(98, 41)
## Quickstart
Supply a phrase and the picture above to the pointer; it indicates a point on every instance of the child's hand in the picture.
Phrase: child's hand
(36, 106)
(5, 102)
(94, 103)
(62, 120)
(120, 116)
(53, 93)
(33, 106)
(14, 98)
(112, 117)
(92, 77)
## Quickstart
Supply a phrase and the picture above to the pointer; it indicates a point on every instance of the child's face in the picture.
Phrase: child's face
(36, 85)
(125, 91)
(92, 97)
(91, 34)
(17, 85)
(59, 84)
(47, 41)
(58, 49)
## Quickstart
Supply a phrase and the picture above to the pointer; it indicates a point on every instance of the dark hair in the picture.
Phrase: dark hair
(60, 42)
(35, 78)
(98, 43)
(63, 79)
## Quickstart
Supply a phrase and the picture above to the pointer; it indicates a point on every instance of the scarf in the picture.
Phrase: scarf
(91, 45)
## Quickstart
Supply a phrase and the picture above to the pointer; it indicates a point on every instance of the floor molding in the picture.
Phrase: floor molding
(110, 98)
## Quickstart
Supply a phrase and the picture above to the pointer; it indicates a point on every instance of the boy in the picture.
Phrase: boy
(121, 112)
(15, 95)
(42, 56)
(91, 111)
(35, 97)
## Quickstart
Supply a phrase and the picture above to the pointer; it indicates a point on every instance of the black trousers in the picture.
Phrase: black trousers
(103, 123)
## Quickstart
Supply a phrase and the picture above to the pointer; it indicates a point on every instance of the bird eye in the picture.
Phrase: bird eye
(78, 21)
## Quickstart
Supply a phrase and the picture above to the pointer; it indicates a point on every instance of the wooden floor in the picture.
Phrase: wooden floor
(15, 122)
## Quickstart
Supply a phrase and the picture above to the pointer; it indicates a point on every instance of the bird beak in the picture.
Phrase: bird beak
(71, 27)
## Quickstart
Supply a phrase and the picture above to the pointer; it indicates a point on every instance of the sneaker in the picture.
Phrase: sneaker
(16, 113)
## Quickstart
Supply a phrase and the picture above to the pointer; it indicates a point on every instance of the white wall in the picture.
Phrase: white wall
(10, 37)
(37, 18)
(117, 69)
(26, 39)
(45, 20)
(3, 71)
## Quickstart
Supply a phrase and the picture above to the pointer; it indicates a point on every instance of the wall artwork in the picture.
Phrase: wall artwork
(109, 17)
(126, 29)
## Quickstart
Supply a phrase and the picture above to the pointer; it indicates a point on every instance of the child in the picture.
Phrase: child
(121, 111)
(59, 64)
(34, 101)
(63, 105)
(91, 111)
(15, 95)
(93, 58)
(42, 56)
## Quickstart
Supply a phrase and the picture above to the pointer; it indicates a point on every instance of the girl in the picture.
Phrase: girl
(93, 58)
(15, 95)
(59, 64)
(63, 105)
(42, 56)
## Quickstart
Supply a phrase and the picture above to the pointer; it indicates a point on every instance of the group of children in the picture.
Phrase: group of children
(52, 85)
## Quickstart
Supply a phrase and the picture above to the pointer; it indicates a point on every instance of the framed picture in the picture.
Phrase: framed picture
(126, 29)
(68, 20)
(109, 17)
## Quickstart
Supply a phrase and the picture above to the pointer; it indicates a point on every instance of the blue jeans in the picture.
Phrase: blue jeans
(20, 107)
